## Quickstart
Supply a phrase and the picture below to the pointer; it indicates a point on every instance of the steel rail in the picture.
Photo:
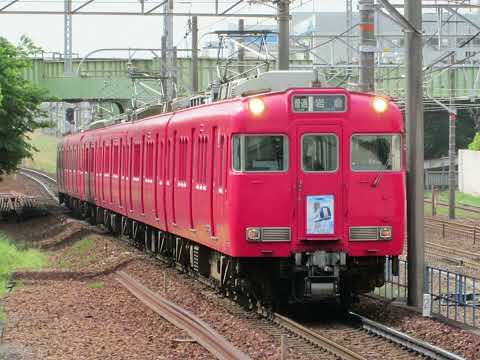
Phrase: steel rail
(421, 347)
(39, 173)
(453, 225)
(473, 256)
(23, 172)
(464, 207)
(211, 340)
(315, 338)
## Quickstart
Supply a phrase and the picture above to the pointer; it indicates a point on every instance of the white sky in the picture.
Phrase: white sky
(94, 32)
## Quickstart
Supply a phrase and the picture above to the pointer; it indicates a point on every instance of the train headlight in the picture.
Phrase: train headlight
(380, 104)
(254, 234)
(385, 233)
(256, 106)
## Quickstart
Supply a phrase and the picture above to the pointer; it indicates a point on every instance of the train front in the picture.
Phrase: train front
(321, 178)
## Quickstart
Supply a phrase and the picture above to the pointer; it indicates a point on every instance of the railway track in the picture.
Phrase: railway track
(464, 207)
(47, 183)
(366, 332)
(211, 340)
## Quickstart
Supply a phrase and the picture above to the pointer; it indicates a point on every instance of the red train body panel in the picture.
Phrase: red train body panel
(186, 173)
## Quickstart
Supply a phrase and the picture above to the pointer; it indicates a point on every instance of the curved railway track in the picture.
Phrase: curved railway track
(196, 328)
(368, 333)
(47, 183)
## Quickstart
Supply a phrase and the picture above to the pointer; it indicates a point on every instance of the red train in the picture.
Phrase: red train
(282, 196)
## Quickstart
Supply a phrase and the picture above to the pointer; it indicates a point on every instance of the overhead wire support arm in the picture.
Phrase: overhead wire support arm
(464, 18)
(155, 7)
(401, 20)
(231, 7)
(9, 4)
(450, 53)
(82, 6)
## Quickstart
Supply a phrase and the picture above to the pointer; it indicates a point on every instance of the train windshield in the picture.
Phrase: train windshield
(376, 152)
(319, 152)
(260, 153)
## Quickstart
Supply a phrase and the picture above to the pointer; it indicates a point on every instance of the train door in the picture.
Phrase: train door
(319, 183)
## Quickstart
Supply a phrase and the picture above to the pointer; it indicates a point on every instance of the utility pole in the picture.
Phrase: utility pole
(175, 73)
(67, 39)
(241, 50)
(367, 45)
(349, 33)
(415, 180)
(452, 118)
(283, 18)
(168, 34)
(195, 54)
(164, 81)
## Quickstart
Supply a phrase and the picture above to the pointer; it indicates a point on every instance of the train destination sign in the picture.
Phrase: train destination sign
(319, 103)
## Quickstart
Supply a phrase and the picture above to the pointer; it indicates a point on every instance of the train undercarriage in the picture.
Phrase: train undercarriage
(269, 283)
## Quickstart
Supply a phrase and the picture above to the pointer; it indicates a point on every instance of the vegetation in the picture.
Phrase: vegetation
(46, 157)
(79, 249)
(460, 198)
(475, 144)
(11, 259)
(19, 104)
(436, 132)
(96, 285)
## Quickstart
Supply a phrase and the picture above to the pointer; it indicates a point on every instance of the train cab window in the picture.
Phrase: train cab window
(260, 153)
(376, 152)
(319, 152)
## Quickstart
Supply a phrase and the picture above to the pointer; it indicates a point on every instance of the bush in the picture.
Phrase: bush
(475, 144)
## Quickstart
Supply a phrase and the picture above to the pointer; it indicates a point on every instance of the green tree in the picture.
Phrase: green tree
(475, 144)
(436, 132)
(19, 104)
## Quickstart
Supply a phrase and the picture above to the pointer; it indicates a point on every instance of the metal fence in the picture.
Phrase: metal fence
(453, 295)
(437, 178)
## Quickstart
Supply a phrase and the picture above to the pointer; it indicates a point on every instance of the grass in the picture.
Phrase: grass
(444, 212)
(11, 259)
(46, 157)
(460, 198)
(96, 285)
(79, 249)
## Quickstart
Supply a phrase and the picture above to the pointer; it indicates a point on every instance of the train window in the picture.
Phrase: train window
(115, 159)
(260, 152)
(376, 152)
(221, 165)
(136, 160)
(149, 164)
(182, 166)
(319, 152)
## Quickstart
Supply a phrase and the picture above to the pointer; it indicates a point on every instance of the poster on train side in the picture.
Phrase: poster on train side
(320, 215)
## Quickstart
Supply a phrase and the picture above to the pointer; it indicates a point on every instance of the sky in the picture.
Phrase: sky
(95, 32)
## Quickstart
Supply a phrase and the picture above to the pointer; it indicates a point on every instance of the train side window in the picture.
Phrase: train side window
(260, 153)
(115, 160)
(149, 161)
(182, 163)
(160, 162)
(319, 152)
(136, 160)
(221, 161)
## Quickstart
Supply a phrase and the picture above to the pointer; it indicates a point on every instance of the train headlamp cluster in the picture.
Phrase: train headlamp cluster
(254, 234)
(385, 233)
(379, 104)
(256, 106)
